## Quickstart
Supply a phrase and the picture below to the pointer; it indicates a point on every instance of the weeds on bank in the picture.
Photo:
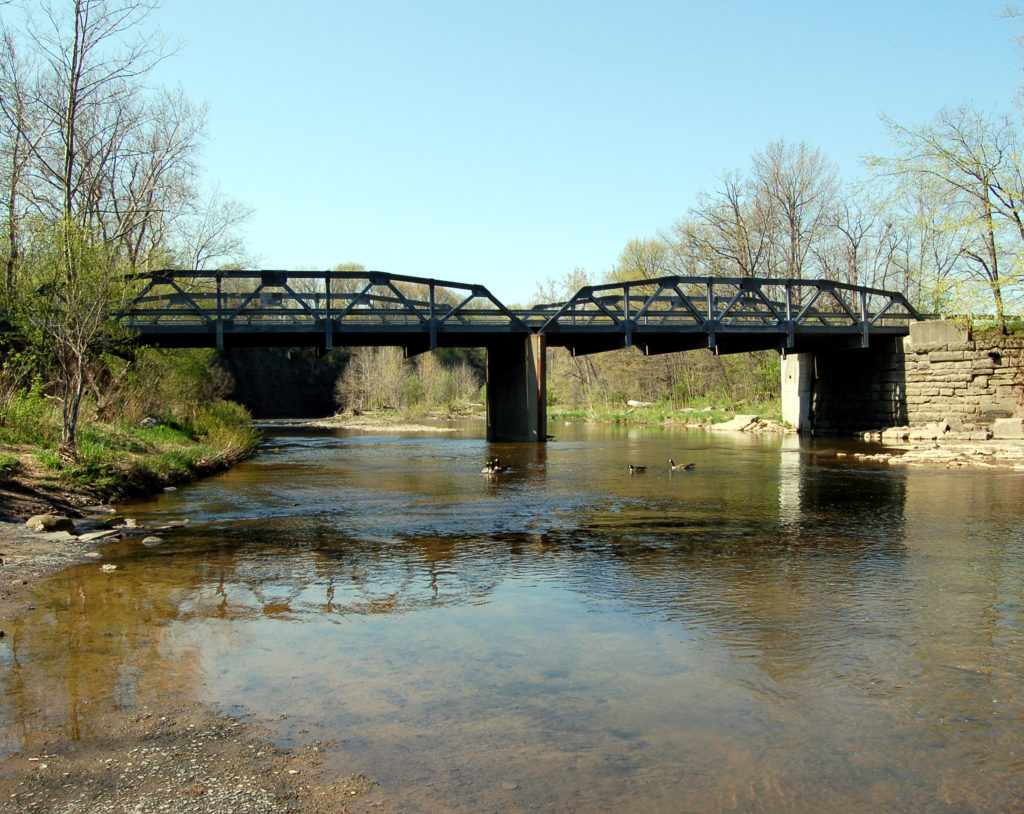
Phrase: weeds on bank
(662, 413)
(117, 459)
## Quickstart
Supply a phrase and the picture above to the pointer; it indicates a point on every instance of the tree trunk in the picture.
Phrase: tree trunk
(72, 405)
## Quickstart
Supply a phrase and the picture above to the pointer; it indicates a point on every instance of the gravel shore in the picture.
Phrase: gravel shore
(176, 757)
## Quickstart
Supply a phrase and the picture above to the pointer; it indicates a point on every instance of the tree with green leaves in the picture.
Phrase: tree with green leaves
(71, 287)
(966, 170)
(643, 259)
(100, 178)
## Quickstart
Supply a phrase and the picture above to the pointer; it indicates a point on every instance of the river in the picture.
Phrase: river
(775, 630)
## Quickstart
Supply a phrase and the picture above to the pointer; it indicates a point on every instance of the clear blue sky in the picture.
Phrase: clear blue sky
(507, 143)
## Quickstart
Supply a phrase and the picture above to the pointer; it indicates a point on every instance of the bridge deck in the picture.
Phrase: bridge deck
(327, 309)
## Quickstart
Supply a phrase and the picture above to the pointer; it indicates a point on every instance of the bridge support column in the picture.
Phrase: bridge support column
(797, 390)
(516, 390)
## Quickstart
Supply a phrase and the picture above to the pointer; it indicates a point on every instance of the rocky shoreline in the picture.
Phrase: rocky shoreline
(948, 455)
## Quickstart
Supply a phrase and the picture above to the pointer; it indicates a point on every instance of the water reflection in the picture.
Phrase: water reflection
(772, 631)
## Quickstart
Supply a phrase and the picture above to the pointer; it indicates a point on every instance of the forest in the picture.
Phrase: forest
(101, 177)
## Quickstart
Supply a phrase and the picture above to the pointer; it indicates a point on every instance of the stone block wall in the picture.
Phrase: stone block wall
(954, 380)
(935, 382)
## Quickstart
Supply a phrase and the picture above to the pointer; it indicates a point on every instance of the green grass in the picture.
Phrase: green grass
(10, 465)
(118, 459)
(662, 413)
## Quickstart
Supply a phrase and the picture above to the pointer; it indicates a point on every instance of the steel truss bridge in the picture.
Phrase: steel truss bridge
(225, 309)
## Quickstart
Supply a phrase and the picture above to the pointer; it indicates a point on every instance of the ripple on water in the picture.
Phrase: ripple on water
(766, 633)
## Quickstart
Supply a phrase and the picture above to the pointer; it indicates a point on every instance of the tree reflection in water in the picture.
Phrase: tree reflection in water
(774, 631)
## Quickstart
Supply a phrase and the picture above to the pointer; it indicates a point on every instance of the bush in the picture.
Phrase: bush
(10, 465)
(227, 427)
(31, 418)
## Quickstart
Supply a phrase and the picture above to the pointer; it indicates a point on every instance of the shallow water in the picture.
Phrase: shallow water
(775, 631)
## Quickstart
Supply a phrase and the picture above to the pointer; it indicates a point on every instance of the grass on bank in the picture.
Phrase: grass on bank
(655, 414)
(662, 413)
(120, 459)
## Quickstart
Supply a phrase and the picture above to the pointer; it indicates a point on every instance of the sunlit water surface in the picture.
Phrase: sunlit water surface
(777, 630)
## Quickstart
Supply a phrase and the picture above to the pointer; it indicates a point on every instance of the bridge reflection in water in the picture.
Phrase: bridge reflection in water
(325, 309)
(775, 631)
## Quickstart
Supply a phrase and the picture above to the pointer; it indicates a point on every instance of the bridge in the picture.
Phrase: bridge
(327, 309)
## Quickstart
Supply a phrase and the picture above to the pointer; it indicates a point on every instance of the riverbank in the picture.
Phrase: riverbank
(167, 755)
(991, 454)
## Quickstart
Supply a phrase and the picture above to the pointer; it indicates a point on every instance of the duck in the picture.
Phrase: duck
(674, 467)
(493, 467)
(633, 469)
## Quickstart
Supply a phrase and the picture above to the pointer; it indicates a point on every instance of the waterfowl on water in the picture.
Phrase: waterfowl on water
(493, 467)
(634, 469)
(673, 466)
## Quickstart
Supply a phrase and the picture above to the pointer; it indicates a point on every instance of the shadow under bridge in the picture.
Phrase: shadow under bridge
(327, 309)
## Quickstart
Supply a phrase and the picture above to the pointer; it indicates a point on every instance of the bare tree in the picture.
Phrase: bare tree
(19, 140)
(560, 290)
(102, 150)
(863, 248)
(92, 53)
(205, 232)
(801, 188)
(733, 229)
(372, 378)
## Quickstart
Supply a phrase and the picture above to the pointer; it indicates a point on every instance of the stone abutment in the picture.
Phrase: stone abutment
(933, 383)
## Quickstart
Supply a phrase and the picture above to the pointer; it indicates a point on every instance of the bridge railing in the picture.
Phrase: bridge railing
(361, 307)
(297, 301)
(711, 304)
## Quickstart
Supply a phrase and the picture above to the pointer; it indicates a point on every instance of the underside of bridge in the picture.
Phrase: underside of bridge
(846, 392)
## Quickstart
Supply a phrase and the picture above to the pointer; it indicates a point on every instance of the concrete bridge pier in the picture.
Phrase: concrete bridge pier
(846, 392)
(516, 390)
(797, 390)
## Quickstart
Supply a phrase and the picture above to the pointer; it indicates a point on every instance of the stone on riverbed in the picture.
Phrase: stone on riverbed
(737, 424)
(99, 535)
(1008, 428)
(50, 522)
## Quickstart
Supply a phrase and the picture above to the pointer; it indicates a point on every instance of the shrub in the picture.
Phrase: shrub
(31, 418)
